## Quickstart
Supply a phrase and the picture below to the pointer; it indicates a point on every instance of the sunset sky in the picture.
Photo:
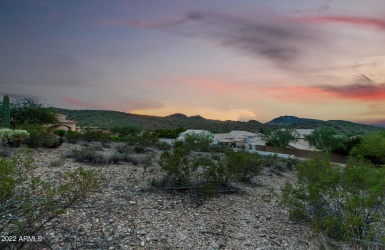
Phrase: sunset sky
(221, 59)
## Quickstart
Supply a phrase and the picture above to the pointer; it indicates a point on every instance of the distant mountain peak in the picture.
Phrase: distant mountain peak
(286, 120)
(177, 115)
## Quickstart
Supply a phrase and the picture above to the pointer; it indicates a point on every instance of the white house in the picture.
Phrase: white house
(227, 139)
(243, 138)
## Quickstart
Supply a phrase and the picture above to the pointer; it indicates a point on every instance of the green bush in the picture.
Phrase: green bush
(169, 133)
(345, 202)
(71, 136)
(203, 174)
(372, 147)
(163, 145)
(60, 132)
(13, 137)
(127, 129)
(93, 134)
(243, 165)
(198, 142)
(87, 154)
(40, 136)
(27, 203)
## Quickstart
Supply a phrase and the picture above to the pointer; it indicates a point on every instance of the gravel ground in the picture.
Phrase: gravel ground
(127, 215)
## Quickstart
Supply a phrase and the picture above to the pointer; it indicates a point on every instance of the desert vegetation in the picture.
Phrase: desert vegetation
(343, 203)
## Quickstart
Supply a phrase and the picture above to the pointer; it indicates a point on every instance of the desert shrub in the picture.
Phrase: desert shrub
(96, 146)
(71, 136)
(115, 138)
(127, 129)
(163, 145)
(243, 165)
(27, 203)
(124, 149)
(276, 163)
(93, 134)
(5, 150)
(371, 147)
(13, 138)
(57, 162)
(60, 132)
(87, 154)
(40, 136)
(139, 149)
(116, 157)
(136, 159)
(144, 139)
(203, 175)
(176, 165)
(345, 202)
(106, 145)
(198, 142)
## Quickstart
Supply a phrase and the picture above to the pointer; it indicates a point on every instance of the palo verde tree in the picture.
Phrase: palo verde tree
(345, 202)
(29, 111)
(281, 137)
(28, 203)
(324, 138)
(372, 147)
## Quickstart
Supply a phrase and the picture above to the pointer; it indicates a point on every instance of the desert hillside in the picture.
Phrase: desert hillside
(129, 214)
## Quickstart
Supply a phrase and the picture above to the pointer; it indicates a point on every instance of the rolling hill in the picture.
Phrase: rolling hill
(106, 119)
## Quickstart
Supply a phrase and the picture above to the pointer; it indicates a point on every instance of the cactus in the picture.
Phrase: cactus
(6, 113)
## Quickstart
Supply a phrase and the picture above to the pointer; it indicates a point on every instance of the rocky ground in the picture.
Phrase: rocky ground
(127, 214)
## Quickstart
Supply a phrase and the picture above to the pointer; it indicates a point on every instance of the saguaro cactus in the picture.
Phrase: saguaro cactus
(6, 113)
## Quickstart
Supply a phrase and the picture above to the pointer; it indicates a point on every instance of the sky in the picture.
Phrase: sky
(220, 59)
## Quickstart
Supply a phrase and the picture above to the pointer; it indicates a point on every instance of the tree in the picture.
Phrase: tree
(200, 142)
(28, 203)
(281, 137)
(372, 147)
(345, 202)
(30, 111)
(324, 138)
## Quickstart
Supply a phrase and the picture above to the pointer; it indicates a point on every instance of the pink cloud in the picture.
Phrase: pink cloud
(363, 89)
(297, 94)
(362, 21)
(81, 104)
(133, 105)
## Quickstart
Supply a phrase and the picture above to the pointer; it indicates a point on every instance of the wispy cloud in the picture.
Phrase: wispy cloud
(265, 34)
(363, 89)
(353, 20)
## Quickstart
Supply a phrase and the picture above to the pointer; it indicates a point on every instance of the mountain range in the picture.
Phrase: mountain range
(106, 119)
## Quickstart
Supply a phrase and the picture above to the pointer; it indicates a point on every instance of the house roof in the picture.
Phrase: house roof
(226, 137)
(240, 133)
